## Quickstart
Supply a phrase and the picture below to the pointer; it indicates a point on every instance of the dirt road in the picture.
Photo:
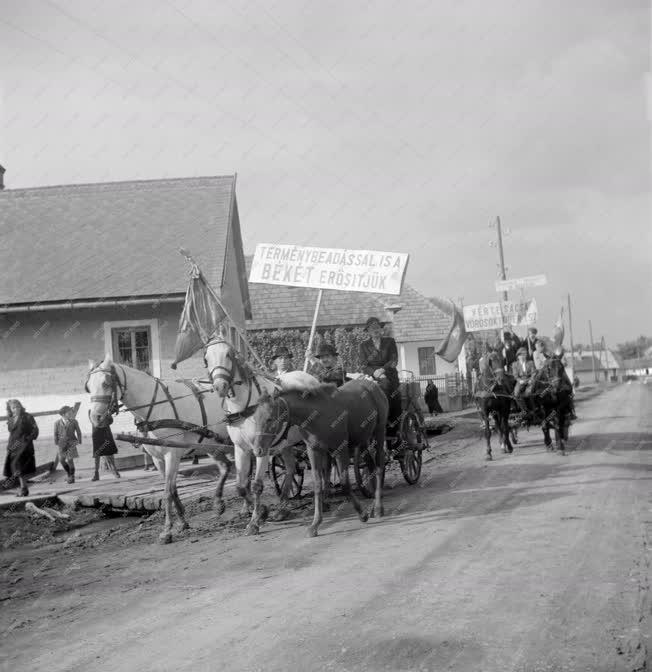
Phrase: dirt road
(533, 562)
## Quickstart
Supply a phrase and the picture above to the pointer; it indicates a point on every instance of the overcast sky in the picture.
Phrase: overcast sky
(403, 126)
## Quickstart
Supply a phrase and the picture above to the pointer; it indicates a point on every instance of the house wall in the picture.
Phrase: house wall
(44, 358)
(409, 358)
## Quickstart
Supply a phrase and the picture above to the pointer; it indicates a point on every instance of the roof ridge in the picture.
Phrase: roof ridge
(123, 183)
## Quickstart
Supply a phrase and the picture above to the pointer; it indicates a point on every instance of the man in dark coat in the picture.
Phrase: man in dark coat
(327, 370)
(510, 348)
(23, 431)
(378, 359)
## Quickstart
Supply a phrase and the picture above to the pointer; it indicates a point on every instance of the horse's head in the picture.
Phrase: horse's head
(221, 360)
(270, 418)
(105, 388)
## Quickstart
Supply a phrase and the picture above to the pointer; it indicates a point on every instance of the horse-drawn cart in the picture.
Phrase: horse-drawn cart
(406, 447)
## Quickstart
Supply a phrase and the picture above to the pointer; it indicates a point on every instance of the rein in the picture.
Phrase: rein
(239, 373)
(115, 405)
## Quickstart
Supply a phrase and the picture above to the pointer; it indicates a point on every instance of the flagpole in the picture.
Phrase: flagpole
(312, 331)
(240, 333)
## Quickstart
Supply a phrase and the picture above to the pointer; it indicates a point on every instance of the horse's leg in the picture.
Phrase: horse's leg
(242, 466)
(505, 422)
(545, 427)
(172, 460)
(487, 432)
(260, 512)
(343, 464)
(224, 465)
(317, 460)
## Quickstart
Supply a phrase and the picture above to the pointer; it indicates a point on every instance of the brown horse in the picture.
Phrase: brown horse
(333, 421)
(552, 391)
(493, 397)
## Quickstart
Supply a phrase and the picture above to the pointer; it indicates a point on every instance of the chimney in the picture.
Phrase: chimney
(2, 178)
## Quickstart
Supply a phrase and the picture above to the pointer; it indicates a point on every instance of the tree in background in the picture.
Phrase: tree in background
(635, 349)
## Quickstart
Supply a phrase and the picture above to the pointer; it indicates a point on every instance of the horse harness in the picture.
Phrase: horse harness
(118, 390)
(239, 368)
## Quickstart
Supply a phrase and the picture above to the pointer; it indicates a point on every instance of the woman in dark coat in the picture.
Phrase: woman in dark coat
(431, 397)
(104, 446)
(23, 431)
(378, 359)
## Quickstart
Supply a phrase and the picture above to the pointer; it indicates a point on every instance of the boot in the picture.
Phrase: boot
(96, 477)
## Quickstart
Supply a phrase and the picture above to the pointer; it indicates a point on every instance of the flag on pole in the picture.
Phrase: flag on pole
(454, 341)
(558, 330)
(201, 317)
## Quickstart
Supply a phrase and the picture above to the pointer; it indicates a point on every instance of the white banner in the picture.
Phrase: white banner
(487, 316)
(520, 283)
(325, 268)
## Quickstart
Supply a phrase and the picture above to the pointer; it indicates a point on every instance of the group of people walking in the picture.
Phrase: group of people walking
(20, 460)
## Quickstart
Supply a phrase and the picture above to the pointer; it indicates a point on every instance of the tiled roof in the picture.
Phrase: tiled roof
(585, 364)
(281, 307)
(117, 239)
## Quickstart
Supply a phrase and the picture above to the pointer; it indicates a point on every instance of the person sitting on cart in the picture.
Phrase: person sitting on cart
(282, 361)
(378, 359)
(523, 370)
(325, 366)
(540, 355)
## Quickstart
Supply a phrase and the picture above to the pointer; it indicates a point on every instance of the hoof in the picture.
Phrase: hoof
(251, 530)
(220, 507)
(510, 450)
(364, 517)
(379, 513)
(488, 457)
(165, 538)
(311, 532)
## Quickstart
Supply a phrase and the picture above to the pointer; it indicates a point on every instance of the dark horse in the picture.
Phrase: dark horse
(493, 397)
(333, 421)
(552, 391)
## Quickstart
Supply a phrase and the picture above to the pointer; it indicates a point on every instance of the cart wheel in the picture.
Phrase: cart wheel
(364, 466)
(279, 474)
(413, 439)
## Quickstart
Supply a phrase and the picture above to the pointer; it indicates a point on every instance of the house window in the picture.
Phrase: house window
(132, 346)
(427, 361)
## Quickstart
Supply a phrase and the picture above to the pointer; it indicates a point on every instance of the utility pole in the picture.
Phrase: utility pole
(595, 378)
(570, 326)
(501, 254)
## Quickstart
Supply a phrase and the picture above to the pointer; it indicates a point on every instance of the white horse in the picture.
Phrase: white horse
(173, 409)
(241, 388)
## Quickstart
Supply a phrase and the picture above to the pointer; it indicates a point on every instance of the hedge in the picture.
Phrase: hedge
(345, 340)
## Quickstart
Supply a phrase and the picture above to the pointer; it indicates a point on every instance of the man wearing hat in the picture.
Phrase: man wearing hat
(510, 348)
(531, 342)
(327, 370)
(522, 370)
(282, 360)
(378, 359)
